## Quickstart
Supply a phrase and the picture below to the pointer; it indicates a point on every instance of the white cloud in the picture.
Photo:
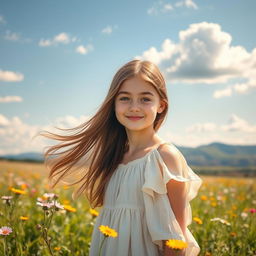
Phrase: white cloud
(236, 123)
(8, 99)
(108, 29)
(16, 136)
(15, 37)
(239, 88)
(84, 49)
(161, 6)
(202, 127)
(62, 38)
(10, 76)
(167, 52)
(187, 3)
(237, 131)
(204, 55)
(11, 36)
(3, 121)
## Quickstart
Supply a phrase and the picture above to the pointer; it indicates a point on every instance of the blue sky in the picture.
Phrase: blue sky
(57, 59)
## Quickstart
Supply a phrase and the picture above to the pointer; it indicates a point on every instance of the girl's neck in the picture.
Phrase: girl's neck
(139, 140)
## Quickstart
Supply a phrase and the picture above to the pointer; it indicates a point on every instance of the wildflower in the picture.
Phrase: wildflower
(107, 231)
(7, 199)
(176, 244)
(5, 231)
(50, 196)
(221, 221)
(213, 204)
(57, 248)
(244, 215)
(203, 197)
(18, 191)
(23, 218)
(58, 206)
(252, 210)
(69, 208)
(45, 205)
(197, 220)
(93, 212)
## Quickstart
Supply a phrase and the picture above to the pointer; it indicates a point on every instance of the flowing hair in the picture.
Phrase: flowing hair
(101, 139)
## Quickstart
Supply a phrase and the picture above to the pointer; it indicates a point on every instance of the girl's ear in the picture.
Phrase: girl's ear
(161, 107)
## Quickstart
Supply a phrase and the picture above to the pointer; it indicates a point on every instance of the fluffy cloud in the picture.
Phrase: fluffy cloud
(84, 49)
(8, 99)
(17, 136)
(234, 124)
(62, 38)
(204, 54)
(161, 6)
(187, 3)
(10, 76)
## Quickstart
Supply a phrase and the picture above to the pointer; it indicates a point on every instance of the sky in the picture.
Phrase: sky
(57, 60)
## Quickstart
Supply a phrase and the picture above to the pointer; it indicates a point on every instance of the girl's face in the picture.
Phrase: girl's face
(137, 104)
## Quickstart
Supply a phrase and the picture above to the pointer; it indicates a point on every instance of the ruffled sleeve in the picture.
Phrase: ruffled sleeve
(160, 218)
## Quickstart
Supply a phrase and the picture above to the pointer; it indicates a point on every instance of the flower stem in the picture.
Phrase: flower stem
(101, 245)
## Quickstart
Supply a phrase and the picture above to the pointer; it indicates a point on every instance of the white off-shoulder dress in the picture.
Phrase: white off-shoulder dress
(136, 205)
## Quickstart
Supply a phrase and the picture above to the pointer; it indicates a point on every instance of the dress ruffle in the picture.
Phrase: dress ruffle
(161, 221)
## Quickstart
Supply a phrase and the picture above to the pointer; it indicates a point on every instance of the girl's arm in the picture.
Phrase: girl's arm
(176, 192)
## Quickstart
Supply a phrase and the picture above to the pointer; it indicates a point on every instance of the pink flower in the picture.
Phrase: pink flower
(252, 210)
(5, 231)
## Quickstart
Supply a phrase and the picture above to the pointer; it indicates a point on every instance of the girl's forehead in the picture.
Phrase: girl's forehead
(137, 85)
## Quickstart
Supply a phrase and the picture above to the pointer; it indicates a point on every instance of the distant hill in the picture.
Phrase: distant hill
(219, 154)
(214, 154)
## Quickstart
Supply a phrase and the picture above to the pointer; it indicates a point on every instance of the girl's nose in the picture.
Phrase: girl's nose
(134, 106)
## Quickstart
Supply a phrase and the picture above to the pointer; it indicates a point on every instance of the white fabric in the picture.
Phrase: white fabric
(136, 205)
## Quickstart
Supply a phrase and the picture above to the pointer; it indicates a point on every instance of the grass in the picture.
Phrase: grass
(69, 230)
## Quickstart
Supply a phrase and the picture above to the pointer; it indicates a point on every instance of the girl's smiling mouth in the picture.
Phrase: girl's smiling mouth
(134, 118)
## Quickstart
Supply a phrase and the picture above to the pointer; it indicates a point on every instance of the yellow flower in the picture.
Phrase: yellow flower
(23, 218)
(24, 186)
(197, 220)
(208, 254)
(203, 197)
(176, 244)
(18, 191)
(107, 231)
(69, 208)
(94, 212)
(213, 204)
(57, 248)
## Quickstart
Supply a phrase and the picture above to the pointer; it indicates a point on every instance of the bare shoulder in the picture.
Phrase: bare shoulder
(172, 157)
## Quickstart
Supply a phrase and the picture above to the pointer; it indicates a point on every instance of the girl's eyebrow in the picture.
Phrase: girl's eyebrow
(142, 93)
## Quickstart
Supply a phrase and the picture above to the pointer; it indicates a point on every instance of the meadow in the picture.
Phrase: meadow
(223, 215)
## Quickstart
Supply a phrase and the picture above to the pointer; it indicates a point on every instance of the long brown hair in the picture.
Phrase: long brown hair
(102, 139)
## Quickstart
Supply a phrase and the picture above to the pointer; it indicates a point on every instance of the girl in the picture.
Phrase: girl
(143, 183)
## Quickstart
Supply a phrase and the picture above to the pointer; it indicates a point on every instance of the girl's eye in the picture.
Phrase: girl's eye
(146, 99)
(124, 98)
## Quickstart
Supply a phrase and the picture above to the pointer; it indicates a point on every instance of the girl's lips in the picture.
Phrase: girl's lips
(134, 117)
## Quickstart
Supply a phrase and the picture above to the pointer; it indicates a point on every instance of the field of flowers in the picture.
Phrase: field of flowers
(35, 220)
